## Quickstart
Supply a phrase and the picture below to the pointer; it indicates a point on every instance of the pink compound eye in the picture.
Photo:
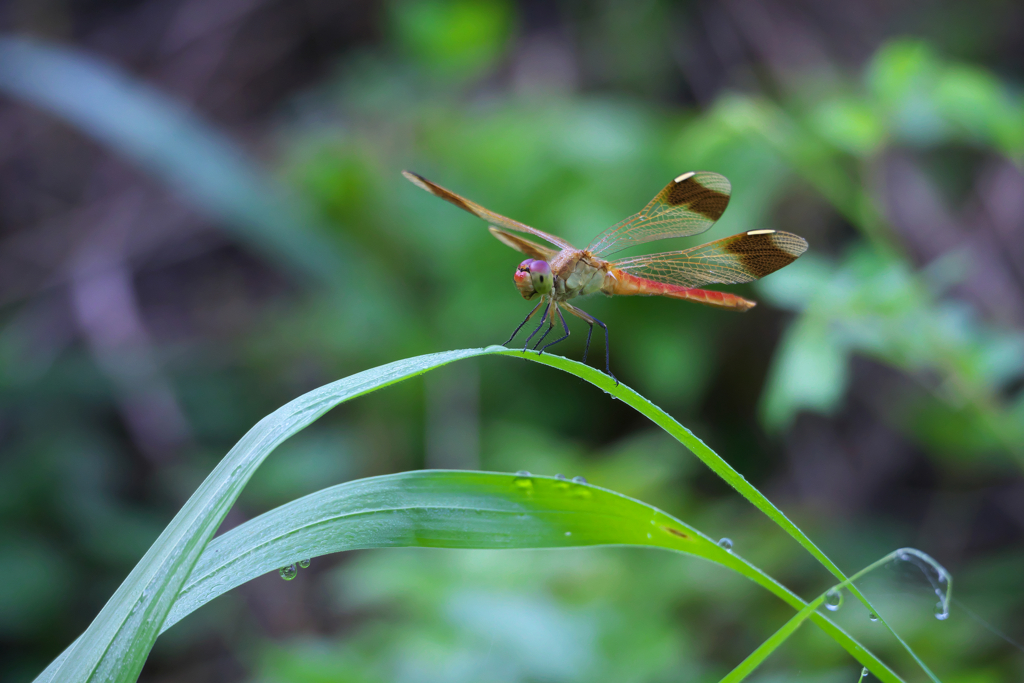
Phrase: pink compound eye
(540, 273)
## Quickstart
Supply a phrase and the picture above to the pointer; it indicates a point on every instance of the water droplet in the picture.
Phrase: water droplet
(936, 575)
(579, 480)
(863, 673)
(523, 481)
(304, 564)
(833, 599)
(873, 617)
(561, 476)
(568, 533)
(288, 573)
(725, 543)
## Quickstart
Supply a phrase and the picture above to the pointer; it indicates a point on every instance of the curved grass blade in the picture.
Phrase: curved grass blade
(115, 645)
(459, 509)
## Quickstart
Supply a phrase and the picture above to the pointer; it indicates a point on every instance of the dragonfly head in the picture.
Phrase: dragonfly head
(533, 277)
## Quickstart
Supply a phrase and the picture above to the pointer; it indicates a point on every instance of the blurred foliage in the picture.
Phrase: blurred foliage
(890, 332)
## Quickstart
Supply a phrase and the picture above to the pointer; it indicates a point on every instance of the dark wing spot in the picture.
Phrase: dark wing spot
(705, 201)
(765, 253)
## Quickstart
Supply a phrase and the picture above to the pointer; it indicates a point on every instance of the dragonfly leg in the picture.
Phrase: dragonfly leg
(551, 325)
(564, 327)
(543, 319)
(607, 353)
(525, 320)
(591, 320)
(586, 347)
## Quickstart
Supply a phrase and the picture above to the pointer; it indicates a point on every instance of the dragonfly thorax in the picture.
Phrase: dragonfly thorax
(578, 275)
(533, 277)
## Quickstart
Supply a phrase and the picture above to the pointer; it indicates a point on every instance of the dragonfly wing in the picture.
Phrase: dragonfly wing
(481, 212)
(531, 249)
(688, 205)
(733, 260)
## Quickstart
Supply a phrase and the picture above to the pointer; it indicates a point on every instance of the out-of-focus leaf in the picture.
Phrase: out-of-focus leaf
(850, 124)
(172, 143)
(809, 372)
(453, 37)
(977, 102)
(930, 101)
(875, 305)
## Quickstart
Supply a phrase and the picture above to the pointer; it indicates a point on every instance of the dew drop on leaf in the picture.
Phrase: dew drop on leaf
(288, 573)
(523, 481)
(725, 543)
(304, 564)
(579, 480)
(833, 599)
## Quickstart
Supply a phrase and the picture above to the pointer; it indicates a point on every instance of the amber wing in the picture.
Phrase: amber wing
(688, 205)
(733, 260)
(481, 212)
(531, 249)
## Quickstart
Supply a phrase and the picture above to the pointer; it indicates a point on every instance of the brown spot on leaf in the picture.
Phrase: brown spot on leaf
(676, 532)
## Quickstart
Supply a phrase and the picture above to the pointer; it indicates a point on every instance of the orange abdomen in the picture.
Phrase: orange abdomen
(624, 284)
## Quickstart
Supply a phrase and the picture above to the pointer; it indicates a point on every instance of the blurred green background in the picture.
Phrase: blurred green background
(202, 216)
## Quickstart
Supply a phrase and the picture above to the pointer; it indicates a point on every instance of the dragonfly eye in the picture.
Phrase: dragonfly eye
(524, 280)
(540, 273)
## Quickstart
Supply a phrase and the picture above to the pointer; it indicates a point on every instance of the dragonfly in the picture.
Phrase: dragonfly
(689, 205)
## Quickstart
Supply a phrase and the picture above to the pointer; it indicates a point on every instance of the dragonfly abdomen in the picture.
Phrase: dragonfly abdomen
(619, 283)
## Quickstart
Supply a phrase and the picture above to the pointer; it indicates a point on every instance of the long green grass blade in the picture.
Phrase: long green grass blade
(457, 509)
(116, 644)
